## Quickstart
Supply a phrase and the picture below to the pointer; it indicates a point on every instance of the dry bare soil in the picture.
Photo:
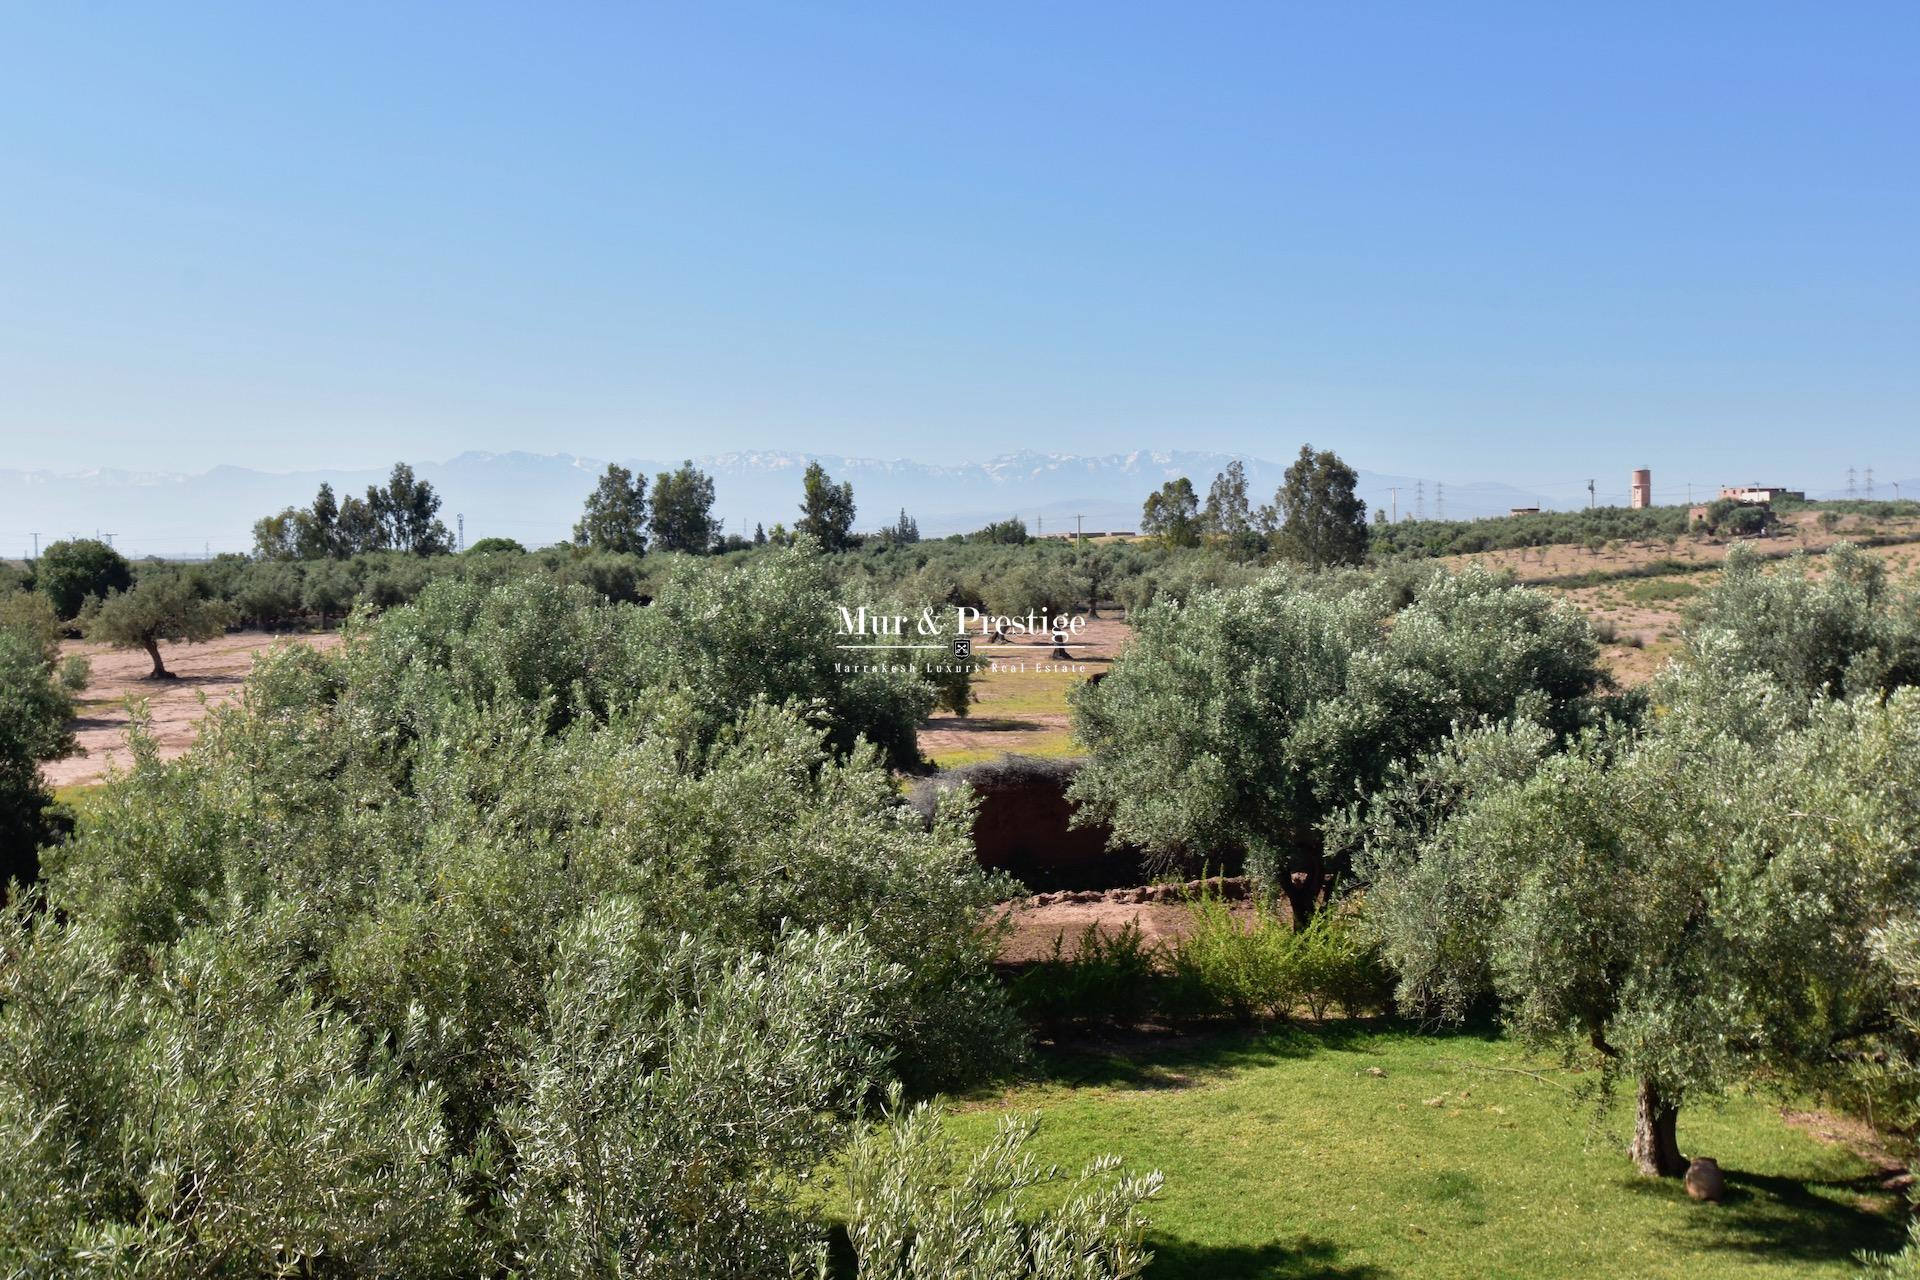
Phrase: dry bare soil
(209, 674)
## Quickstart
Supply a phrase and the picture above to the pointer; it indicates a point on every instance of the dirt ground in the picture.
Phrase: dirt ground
(214, 671)
(1159, 910)
(1640, 617)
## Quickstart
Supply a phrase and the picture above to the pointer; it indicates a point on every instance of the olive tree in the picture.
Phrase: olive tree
(1847, 630)
(1686, 909)
(1239, 722)
(478, 946)
(36, 707)
(160, 606)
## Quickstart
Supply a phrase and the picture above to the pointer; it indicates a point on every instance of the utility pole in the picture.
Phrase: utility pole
(1077, 535)
(1039, 525)
(1395, 491)
(1589, 495)
(36, 546)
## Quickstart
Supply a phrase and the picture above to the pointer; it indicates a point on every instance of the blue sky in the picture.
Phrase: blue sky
(1459, 241)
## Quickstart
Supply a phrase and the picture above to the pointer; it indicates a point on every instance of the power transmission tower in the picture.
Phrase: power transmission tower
(1851, 491)
(109, 537)
(1420, 499)
(1869, 484)
(1439, 500)
(460, 522)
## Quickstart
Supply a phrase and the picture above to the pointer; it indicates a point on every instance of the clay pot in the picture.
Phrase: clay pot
(1704, 1180)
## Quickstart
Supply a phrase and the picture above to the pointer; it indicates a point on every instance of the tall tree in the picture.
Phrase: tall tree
(902, 532)
(615, 518)
(826, 509)
(1227, 513)
(683, 510)
(1322, 522)
(1171, 513)
(317, 531)
(407, 509)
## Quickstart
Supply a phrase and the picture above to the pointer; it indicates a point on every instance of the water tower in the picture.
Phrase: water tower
(1641, 490)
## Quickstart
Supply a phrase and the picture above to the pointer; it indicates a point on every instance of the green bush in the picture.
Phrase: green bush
(1253, 964)
(1108, 978)
(1236, 965)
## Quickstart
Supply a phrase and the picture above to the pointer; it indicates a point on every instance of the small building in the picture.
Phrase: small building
(1523, 511)
(1640, 489)
(1697, 514)
(1761, 494)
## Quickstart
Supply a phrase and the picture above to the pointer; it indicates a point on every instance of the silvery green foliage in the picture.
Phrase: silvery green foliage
(207, 1119)
(678, 1096)
(1694, 904)
(1432, 902)
(766, 628)
(923, 1210)
(1846, 631)
(1897, 944)
(523, 967)
(1242, 719)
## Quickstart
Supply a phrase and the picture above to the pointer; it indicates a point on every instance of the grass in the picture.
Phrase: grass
(1285, 1158)
(1015, 694)
(1050, 744)
(79, 798)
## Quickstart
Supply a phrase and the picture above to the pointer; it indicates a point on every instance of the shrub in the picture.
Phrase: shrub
(1108, 978)
(1241, 966)
(1253, 964)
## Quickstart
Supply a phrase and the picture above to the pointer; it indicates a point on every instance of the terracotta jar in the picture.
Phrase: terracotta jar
(1704, 1180)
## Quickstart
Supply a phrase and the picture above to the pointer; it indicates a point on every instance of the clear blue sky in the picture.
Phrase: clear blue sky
(1461, 241)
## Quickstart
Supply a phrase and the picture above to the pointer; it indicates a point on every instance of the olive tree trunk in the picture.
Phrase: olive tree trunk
(160, 671)
(1656, 1149)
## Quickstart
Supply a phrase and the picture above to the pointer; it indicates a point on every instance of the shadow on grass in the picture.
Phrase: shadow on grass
(1302, 1259)
(1810, 1220)
(1148, 1061)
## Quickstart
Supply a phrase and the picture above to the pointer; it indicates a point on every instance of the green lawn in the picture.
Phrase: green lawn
(1285, 1158)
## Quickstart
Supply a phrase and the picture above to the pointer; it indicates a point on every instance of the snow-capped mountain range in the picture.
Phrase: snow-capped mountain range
(536, 497)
